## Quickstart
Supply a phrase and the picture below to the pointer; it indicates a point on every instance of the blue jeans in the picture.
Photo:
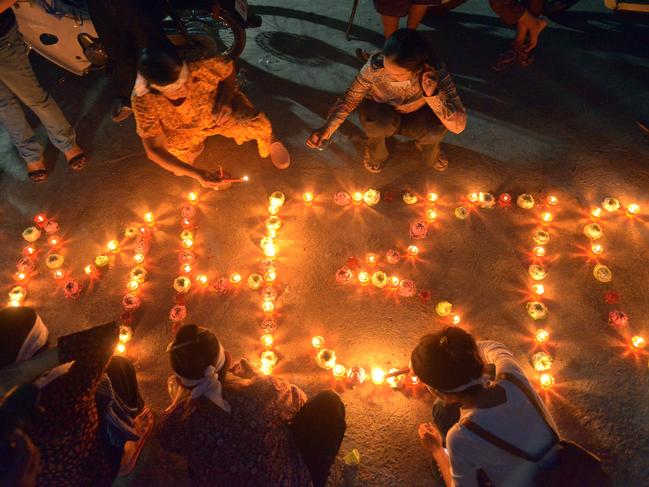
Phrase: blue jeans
(17, 81)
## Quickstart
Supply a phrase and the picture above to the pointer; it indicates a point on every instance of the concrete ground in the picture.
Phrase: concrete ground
(566, 125)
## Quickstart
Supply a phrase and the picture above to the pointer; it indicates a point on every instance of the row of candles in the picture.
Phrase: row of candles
(594, 232)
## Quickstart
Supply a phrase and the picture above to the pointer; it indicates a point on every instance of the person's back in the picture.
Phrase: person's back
(251, 445)
(451, 364)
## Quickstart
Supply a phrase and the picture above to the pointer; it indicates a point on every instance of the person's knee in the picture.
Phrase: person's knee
(379, 119)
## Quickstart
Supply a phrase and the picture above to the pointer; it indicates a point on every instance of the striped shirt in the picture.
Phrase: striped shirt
(406, 97)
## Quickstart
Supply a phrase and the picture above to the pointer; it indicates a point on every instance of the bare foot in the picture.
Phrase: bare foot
(521, 33)
(35, 166)
(537, 26)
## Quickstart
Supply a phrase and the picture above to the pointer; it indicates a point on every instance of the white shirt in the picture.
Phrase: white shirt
(515, 421)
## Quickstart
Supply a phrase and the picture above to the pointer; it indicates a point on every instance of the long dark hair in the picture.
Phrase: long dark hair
(159, 65)
(447, 359)
(192, 351)
(409, 49)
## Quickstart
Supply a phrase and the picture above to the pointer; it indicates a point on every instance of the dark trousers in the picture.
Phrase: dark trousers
(318, 430)
(510, 11)
(125, 27)
(444, 417)
(122, 376)
(380, 121)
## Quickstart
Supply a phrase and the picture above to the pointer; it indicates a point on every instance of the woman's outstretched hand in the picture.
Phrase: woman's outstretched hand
(430, 437)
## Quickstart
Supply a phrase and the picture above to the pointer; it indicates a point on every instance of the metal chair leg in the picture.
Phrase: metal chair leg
(351, 19)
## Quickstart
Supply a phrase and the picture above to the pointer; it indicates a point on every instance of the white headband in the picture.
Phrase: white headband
(142, 86)
(480, 380)
(36, 339)
(209, 385)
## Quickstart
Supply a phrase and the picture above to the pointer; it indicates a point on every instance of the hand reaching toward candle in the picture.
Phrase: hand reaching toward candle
(430, 437)
(318, 138)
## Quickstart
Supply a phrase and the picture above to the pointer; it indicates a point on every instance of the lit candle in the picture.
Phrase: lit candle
(552, 200)
(596, 213)
(326, 359)
(432, 197)
(133, 285)
(40, 219)
(638, 342)
(270, 276)
(235, 278)
(542, 335)
(59, 274)
(363, 277)
(201, 279)
(120, 349)
(546, 216)
(125, 334)
(473, 197)
(276, 199)
(539, 251)
(149, 218)
(378, 376)
(29, 250)
(268, 306)
(538, 289)
(546, 381)
(18, 294)
(357, 198)
(21, 276)
(267, 340)
(455, 319)
(90, 270)
(265, 369)
(597, 248)
(371, 259)
(317, 341)
(138, 258)
(187, 243)
(185, 268)
(192, 197)
(541, 362)
(308, 198)
(339, 371)
(393, 282)
(273, 210)
(414, 380)
(632, 209)
(113, 246)
(431, 214)
(270, 250)
(412, 250)
(504, 200)
(186, 223)
(54, 241)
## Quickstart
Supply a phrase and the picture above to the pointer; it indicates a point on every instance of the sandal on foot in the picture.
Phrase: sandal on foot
(38, 176)
(441, 163)
(132, 449)
(524, 59)
(373, 166)
(504, 60)
(78, 162)
(279, 155)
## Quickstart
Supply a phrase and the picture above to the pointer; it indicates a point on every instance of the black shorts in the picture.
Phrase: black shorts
(398, 8)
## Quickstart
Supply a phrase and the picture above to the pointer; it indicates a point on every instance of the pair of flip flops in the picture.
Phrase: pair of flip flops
(76, 163)
(509, 57)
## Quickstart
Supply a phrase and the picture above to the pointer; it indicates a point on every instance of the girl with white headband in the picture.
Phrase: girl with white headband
(238, 428)
(178, 105)
(451, 364)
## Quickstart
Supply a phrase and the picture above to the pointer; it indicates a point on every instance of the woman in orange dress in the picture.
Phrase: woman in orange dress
(178, 105)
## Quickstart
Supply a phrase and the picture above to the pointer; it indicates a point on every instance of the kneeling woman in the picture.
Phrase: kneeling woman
(178, 105)
(235, 427)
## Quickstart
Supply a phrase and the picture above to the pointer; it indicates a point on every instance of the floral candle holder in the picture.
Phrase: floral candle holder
(269, 294)
(618, 319)
(392, 256)
(273, 223)
(26, 265)
(632, 210)
(186, 234)
(410, 198)
(536, 310)
(326, 359)
(269, 325)
(541, 236)
(276, 199)
(461, 213)
(101, 261)
(182, 284)
(356, 374)
(407, 288)
(372, 197)
(131, 302)
(138, 274)
(419, 229)
(541, 362)
(341, 198)
(486, 201)
(611, 204)
(444, 308)
(54, 261)
(186, 257)
(178, 313)
(255, 281)
(51, 227)
(505, 200)
(17, 294)
(537, 272)
(130, 232)
(379, 279)
(593, 231)
(317, 342)
(188, 211)
(40, 219)
(344, 274)
(602, 273)
(31, 234)
(72, 289)
(525, 201)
